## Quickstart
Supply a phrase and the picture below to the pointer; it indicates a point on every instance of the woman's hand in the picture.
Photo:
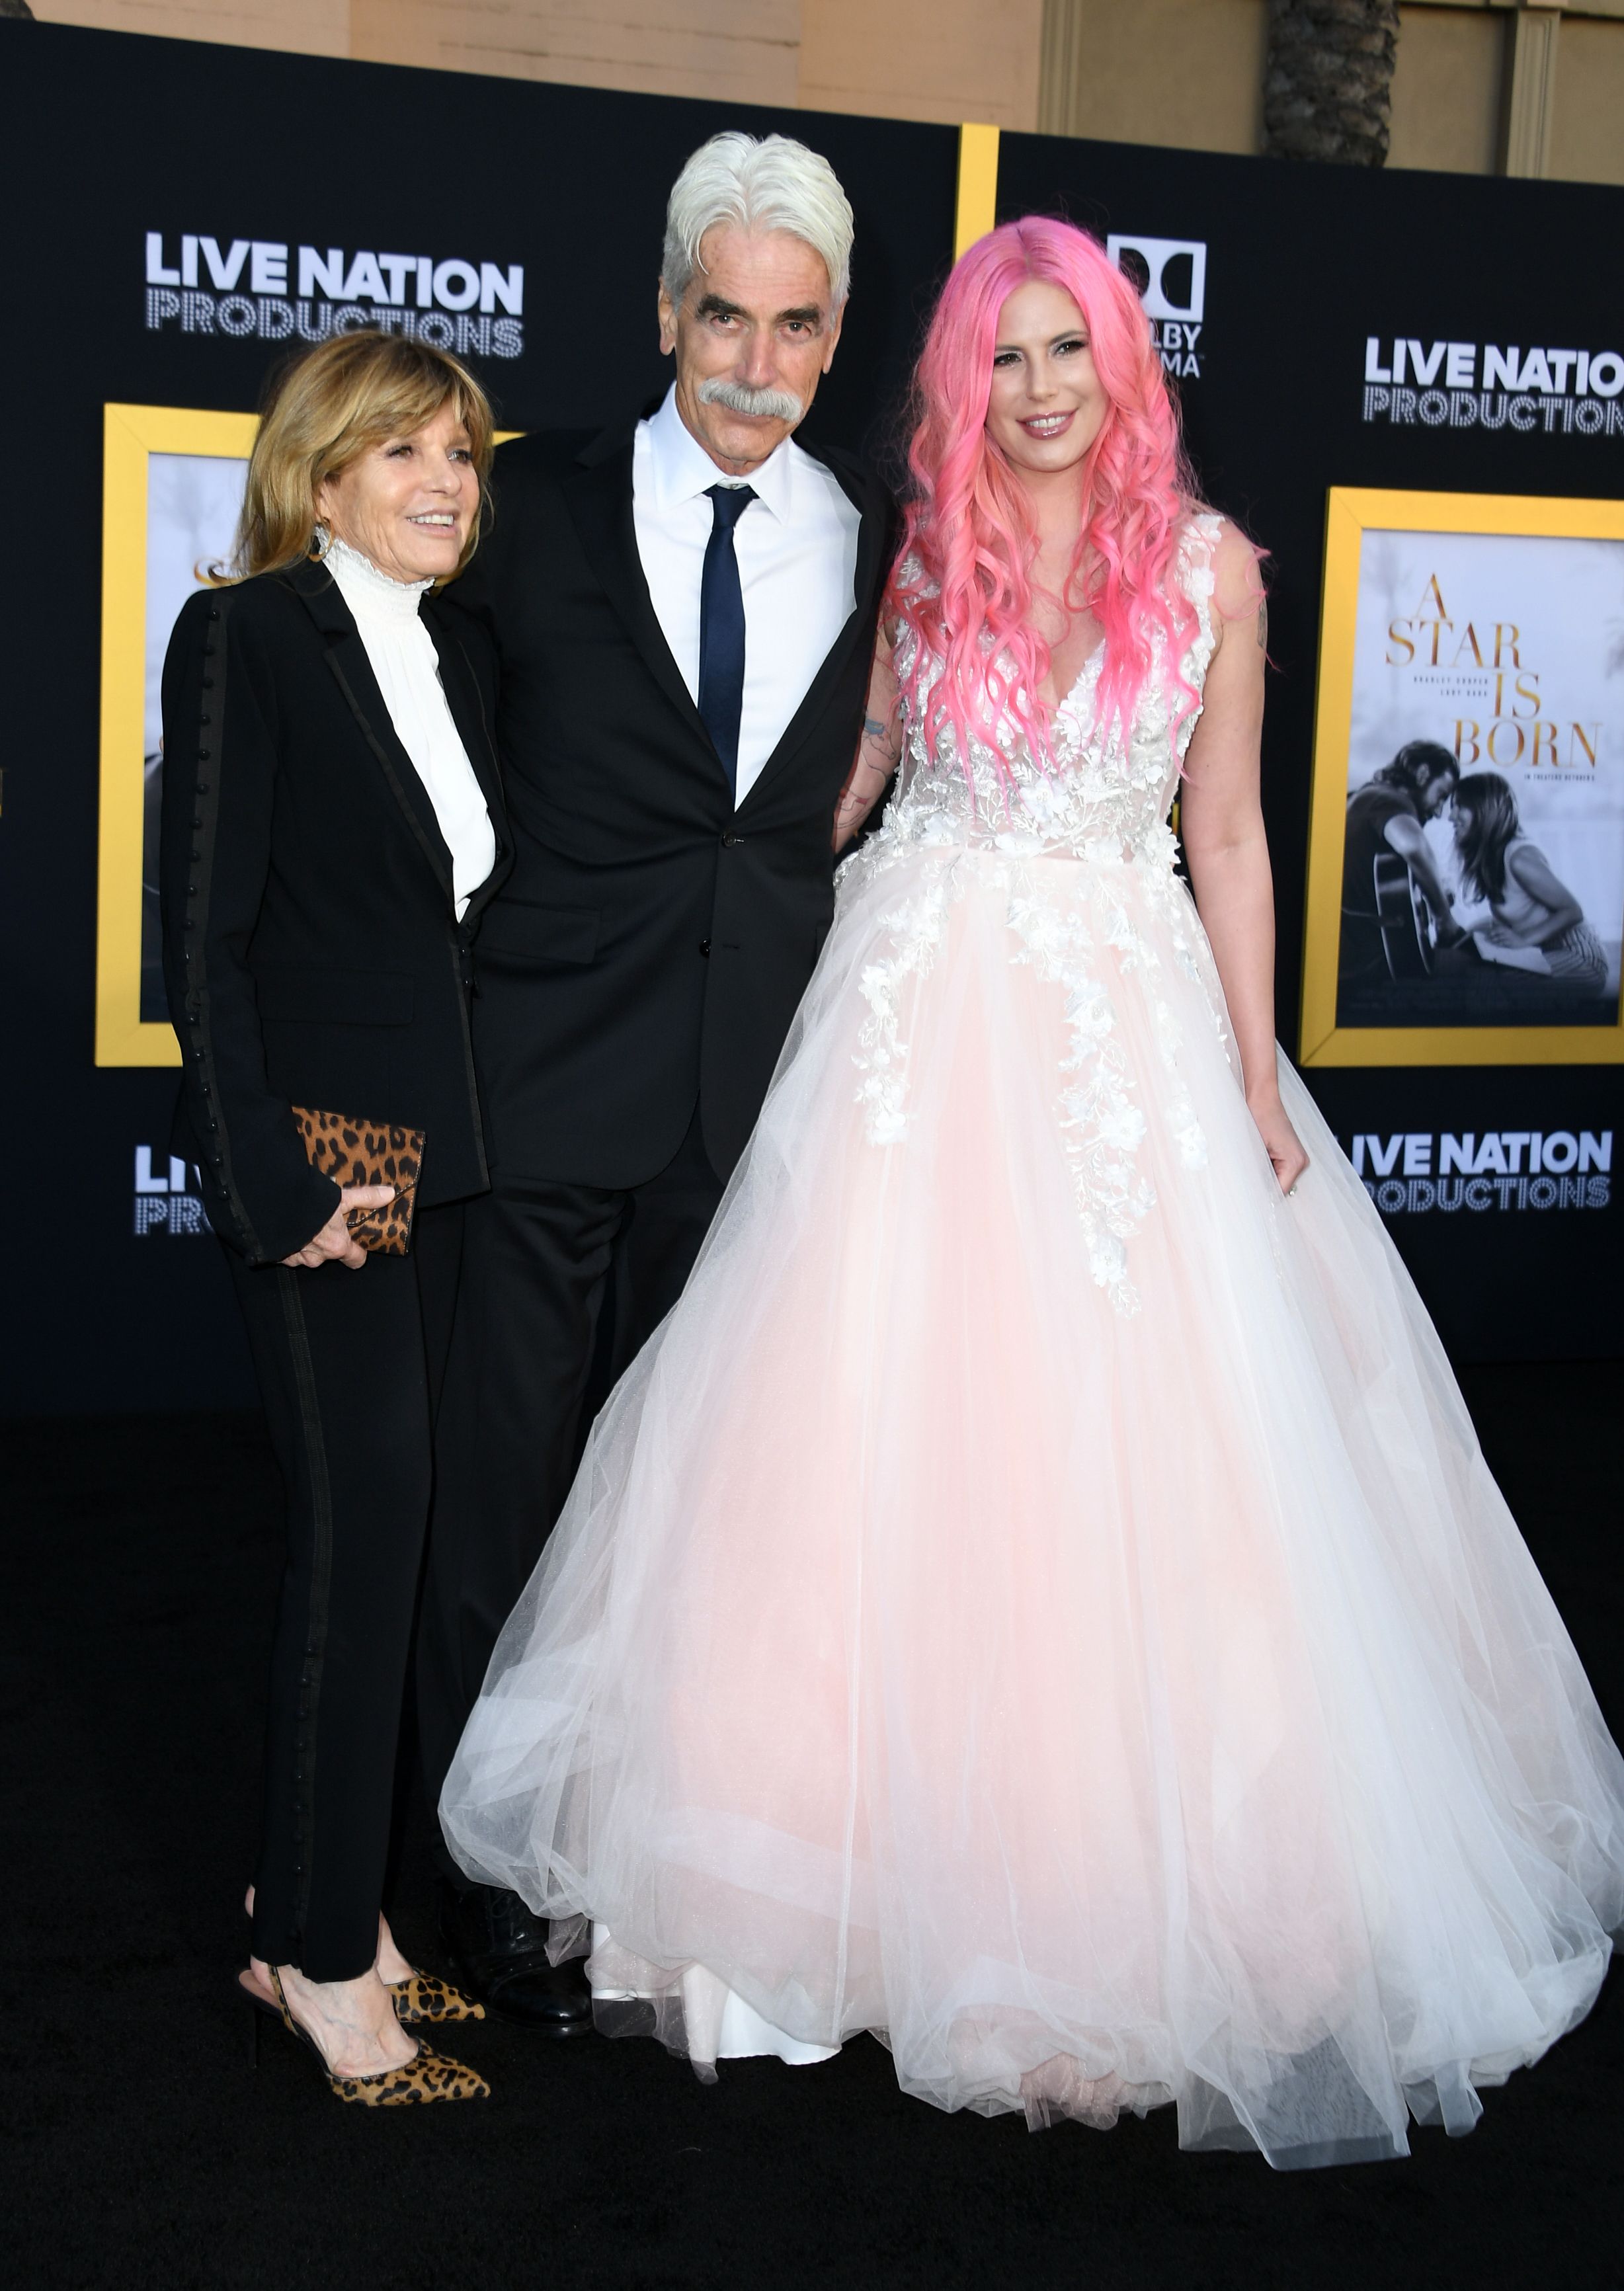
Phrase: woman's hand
(1284, 1146)
(335, 1238)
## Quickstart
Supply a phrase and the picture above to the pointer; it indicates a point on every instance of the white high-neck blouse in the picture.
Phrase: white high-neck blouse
(408, 673)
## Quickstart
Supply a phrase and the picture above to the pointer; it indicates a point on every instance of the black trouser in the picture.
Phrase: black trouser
(350, 1365)
(562, 1284)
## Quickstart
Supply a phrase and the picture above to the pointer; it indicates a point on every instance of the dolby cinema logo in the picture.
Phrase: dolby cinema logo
(1171, 275)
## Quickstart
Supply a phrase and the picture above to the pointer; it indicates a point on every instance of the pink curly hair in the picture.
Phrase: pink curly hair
(962, 578)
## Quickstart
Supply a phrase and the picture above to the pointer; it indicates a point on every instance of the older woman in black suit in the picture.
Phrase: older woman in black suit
(332, 828)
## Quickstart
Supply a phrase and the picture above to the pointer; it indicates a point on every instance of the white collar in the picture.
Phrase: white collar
(683, 469)
(370, 594)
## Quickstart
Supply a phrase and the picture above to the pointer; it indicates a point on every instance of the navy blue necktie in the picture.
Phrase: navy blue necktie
(721, 627)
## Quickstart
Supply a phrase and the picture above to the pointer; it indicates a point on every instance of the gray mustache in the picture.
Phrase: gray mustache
(739, 398)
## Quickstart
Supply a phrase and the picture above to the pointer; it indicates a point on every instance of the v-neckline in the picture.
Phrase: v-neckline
(1076, 685)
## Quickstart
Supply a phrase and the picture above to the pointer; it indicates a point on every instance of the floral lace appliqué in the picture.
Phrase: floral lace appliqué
(1105, 803)
(1100, 1124)
(917, 930)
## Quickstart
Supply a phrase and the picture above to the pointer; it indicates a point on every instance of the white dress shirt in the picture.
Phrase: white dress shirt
(408, 673)
(797, 551)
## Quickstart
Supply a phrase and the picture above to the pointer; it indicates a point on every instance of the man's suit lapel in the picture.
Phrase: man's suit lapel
(872, 533)
(466, 702)
(599, 495)
(352, 669)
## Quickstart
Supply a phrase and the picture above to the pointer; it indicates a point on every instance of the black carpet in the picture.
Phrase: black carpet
(143, 2148)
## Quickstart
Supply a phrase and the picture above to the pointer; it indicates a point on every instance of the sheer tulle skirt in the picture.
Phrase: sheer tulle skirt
(1112, 1681)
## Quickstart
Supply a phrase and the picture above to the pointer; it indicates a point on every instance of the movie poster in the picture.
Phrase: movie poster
(192, 505)
(1482, 876)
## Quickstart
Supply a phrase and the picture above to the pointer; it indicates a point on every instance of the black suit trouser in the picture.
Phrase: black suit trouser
(562, 1284)
(349, 1365)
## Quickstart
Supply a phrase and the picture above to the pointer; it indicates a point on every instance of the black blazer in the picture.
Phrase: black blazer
(650, 946)
(311, 949)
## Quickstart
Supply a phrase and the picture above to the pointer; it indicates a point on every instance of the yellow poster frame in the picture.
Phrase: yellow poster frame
(975, 200)
(1351, 512)
(131, 435)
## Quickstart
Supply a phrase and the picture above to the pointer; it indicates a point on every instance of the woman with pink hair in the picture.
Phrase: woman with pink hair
(1039, 1597)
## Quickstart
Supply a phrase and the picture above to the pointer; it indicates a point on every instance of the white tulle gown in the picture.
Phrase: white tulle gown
(1039, 1597)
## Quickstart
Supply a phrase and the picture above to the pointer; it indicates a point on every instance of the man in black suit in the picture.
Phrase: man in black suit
(684, 610)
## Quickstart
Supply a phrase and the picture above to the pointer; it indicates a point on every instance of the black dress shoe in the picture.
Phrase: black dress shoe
(498, 1951)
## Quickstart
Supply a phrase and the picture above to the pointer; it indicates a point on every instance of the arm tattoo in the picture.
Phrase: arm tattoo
(884, 734)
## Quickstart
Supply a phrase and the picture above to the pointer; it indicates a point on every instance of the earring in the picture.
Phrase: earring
(323, 541)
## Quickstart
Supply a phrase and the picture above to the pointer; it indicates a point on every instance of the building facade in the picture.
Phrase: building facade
(1495, 86)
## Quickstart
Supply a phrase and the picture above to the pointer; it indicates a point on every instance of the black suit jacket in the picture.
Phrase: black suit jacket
(650, 946)
(312, 950)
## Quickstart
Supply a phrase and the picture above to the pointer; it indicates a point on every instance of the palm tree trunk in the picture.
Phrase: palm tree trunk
(1328, 84)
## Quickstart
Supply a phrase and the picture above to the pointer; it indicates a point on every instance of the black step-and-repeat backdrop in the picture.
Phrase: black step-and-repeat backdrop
(1413, 335)
(179, 214)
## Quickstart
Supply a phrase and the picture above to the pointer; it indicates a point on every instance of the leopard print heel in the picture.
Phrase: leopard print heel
(423, 1997)
(427, 2078)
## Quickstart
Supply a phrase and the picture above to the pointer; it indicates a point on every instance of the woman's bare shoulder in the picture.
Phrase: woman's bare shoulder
(1238, 576)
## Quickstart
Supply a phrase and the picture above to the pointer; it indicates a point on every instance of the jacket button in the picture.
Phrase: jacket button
(203, 755)
(730, 839)
(705, 946)
(213, 612)
(208, 683)
(205, 718)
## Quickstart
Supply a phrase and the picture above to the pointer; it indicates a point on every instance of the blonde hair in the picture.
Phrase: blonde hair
(323, 411)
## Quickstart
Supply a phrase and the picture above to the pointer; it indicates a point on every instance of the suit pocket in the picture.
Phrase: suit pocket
(295, 995)
(523, 931)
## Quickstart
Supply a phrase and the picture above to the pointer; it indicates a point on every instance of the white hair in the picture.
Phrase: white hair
(775, 184)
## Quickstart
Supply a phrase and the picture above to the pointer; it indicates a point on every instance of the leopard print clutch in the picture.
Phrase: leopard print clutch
(368, 1153)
